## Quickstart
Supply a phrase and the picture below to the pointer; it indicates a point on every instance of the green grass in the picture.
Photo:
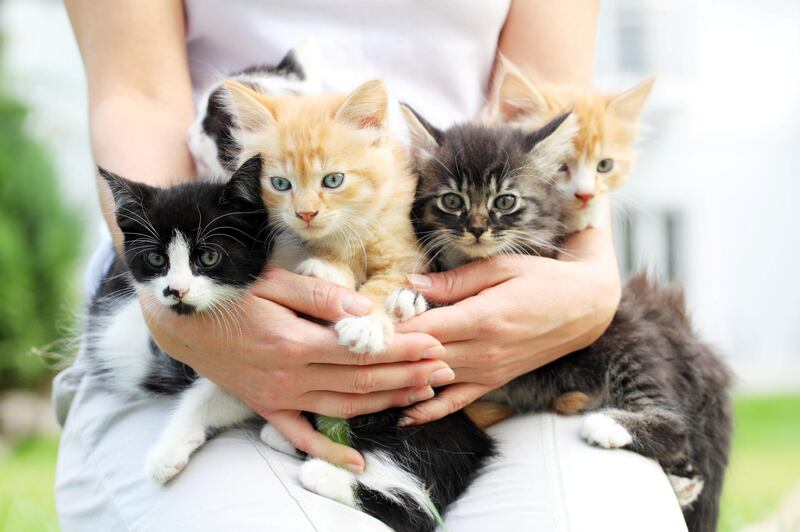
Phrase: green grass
(26, 487)
(765, 464)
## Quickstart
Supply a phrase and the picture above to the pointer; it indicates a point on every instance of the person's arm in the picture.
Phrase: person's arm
(511, 315)
(134, 52)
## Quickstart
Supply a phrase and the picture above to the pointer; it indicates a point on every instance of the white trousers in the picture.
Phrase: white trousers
(545, 479)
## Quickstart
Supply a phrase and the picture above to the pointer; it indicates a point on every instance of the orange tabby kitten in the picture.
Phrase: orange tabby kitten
(604, 145)
(340, 189)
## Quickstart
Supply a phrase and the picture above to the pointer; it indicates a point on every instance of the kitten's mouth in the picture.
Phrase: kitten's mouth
(182, 308)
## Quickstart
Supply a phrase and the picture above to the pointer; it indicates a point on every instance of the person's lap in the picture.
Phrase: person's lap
(546, 479)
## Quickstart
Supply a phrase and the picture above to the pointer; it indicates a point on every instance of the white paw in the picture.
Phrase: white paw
(276, 440)
(329, 481)
(364, 335)
(319, 269)
(603, 430)
(686, 489)
(166, 459)
(404, 303)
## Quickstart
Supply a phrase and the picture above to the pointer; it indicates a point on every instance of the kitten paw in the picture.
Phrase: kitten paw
(166, 460)
(604, 431)
(404, 303)
(276, 440)
(686, 489)
(329, 481)
(324, 271)
(364, 335)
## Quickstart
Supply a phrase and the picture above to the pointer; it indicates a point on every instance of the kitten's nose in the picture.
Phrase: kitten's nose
(477, 231)
(176, 293)
(306, 216)
(584, 198)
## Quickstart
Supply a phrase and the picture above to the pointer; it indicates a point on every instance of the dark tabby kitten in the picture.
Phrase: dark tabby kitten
(191, 248)
(651, 385)
(211, 140)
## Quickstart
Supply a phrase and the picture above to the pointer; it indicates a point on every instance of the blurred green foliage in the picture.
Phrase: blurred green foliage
(39, 248)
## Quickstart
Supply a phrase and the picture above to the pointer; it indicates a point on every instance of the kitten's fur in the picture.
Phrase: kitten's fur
(651, 385)
(183, 226)
(211, 140)
(604, 145)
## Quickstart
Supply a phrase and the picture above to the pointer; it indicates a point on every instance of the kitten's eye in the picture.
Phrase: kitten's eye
(155, 259)
(506, 202)
(280, 184)
(605, 166)
(564, 168)
(452, 202)
(209, 258)
(333, 180)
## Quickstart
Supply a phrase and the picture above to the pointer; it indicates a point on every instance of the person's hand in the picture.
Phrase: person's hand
(513, 314)
(260, 351)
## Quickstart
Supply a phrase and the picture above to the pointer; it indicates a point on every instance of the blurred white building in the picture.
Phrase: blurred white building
(709, 202)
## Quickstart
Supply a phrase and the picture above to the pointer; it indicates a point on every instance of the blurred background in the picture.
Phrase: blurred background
(709, 204)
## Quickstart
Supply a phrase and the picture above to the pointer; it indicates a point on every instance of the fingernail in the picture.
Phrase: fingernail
(355, 468)
(356, 304)
(433, 352)
(441, 376)
(405, 421)
(421, 394)
(420, 282)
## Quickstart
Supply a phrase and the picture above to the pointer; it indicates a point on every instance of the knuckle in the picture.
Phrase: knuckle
(280, 378)
(456, 402)
(451, 281)
(364, 380)
(362, 359)
(490, 326)
(349, 409)
(324, 295)
(299, 441)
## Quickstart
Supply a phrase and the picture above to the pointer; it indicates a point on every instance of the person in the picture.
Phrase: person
(146, 62)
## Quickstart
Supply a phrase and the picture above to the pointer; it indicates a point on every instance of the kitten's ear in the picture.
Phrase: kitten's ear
(552, 145)
(629, 104)
(515, 97)
(367, 107)
(128, 195)
(423, 136)
(248, 106)
(245, 184)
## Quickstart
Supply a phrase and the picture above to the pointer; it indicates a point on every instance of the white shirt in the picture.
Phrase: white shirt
(436, 55)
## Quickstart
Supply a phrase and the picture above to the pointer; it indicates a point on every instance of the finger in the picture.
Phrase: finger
(320, 299)
(303, 436)
(322, 344)
(347, 405)
(379, 377)
(465, 281)
(447, 401)
(466, 320)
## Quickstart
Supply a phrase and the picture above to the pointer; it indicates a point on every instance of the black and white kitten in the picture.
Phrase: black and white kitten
(649, 383)
(211, 139)
(194, 247)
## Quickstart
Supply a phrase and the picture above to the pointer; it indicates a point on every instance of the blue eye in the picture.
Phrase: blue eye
(333, 180)
(506, 202)
(155, 259)
(280, 184)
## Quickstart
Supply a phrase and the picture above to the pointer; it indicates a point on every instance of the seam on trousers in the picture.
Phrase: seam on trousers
(100, 480)
(560, 516)
(272, 467)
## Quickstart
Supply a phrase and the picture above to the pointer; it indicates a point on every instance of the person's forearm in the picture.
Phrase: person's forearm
(553, 40)
(140, 99)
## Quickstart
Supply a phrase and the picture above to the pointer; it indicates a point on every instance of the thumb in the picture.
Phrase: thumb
(465, 281)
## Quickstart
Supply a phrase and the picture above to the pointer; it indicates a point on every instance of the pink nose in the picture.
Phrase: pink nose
(306, 216)
(584, 198)
(182, 292)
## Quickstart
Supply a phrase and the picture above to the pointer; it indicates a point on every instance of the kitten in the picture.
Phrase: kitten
(604, 152)
(339, 189)
(190, 248)
(211, 138)
(651, 385)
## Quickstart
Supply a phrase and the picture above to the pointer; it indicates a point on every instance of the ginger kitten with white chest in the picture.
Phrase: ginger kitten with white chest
(339, 190)
(604, 146)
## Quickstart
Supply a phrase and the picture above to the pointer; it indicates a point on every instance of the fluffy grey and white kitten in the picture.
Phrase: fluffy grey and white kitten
(211, 139)
(190, 248)
(649, 384)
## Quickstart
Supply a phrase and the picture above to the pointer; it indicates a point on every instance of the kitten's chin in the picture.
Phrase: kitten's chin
(480, 250)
